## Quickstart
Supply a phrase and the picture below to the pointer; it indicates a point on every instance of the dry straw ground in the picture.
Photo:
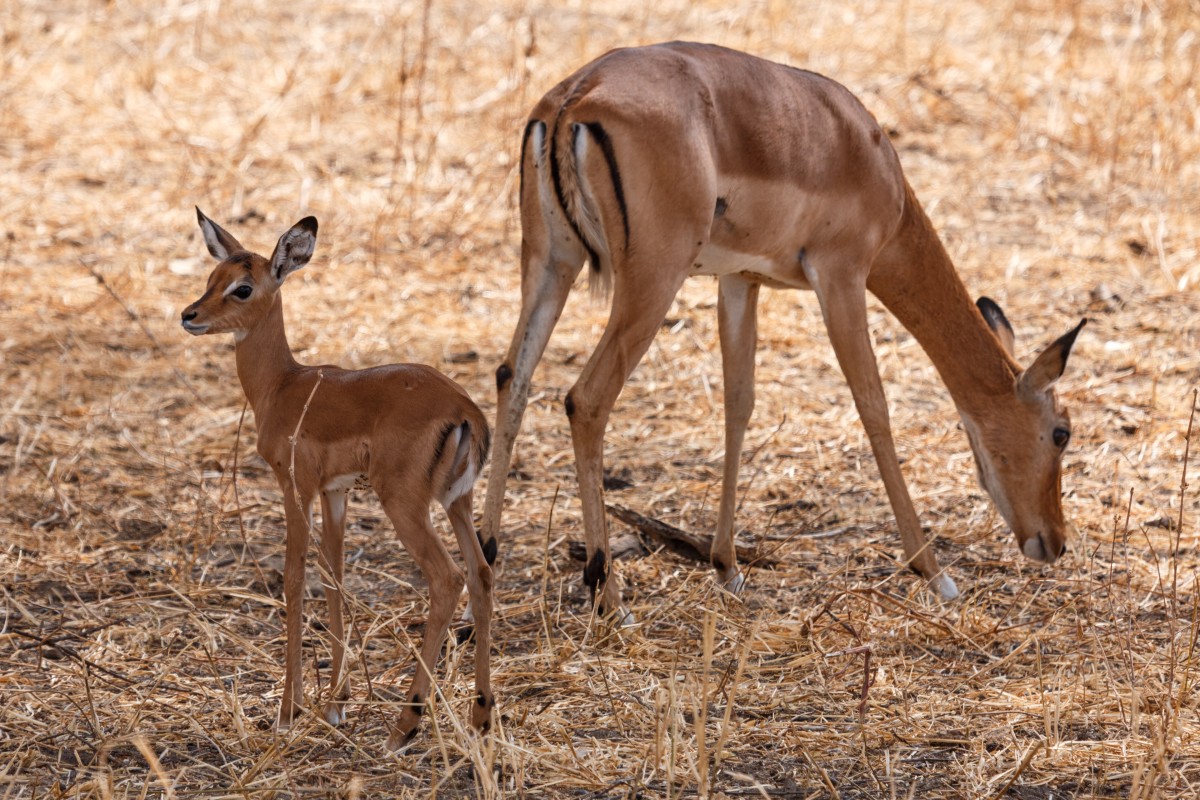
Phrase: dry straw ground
(1055, 145)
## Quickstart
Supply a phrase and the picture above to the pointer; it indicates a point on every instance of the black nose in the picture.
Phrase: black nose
(189, 314)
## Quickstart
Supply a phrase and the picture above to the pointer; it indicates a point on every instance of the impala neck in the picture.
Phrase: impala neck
(264, 358)
(916, 280)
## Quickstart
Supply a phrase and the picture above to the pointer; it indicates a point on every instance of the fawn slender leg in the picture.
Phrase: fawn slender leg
(445, 581)
(333, 532)
(479, 584)
(297, 512)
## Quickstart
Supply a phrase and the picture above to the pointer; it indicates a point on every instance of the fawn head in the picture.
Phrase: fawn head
(243, 287)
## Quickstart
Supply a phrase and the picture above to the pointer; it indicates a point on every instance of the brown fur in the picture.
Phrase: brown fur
(319, 428)
(808, 193)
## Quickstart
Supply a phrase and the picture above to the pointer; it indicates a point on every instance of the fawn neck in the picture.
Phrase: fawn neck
(916, 280)
(264, 357)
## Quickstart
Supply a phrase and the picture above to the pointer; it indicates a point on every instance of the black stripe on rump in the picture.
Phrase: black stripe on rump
(485, 445)
(606, 147)
(440, 449)
(524, 149)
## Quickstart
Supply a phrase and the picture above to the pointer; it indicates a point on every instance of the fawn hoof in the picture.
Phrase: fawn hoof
(287, 715)
(734, 582)
(335, 712)
(618, 617)
(944, 586)
(399, 739)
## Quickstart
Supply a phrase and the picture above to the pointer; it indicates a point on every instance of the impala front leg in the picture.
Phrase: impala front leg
(333, 531)
(843, 304)
(737, 319)
(299, 522)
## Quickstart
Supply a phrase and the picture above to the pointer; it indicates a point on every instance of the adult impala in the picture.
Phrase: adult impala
(658, 163)
(410, 431)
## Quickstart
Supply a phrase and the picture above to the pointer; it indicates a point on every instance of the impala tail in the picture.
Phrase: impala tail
(470, 449)
(577, 172)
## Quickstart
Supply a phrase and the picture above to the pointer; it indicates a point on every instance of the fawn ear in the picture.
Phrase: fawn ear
(1049, 365)
(294, 249)
(994, 317)
(220, 242)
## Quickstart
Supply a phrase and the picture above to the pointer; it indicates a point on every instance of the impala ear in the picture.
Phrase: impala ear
(1049, 365)
(294, 249)
(995, 319)
(219, 241)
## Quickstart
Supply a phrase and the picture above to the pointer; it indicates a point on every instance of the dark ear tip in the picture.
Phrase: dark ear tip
(1067, 341)
(200, 215)
(993, 314)
(309, 224)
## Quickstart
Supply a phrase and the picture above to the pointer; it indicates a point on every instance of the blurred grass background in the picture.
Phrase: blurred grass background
(1053, 143)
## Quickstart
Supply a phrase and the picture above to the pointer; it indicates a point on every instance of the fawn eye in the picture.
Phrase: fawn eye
(244, 291)
(1061, 437)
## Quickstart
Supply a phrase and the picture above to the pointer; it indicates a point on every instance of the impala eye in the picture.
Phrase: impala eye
(244, 291)
(1061, 437)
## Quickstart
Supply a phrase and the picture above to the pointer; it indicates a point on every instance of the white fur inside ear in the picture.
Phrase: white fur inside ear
(294, 250)
(212, 240)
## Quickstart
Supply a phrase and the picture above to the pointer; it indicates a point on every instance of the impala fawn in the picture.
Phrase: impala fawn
(410, 431)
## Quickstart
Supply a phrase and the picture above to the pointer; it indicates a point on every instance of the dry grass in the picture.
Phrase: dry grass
(1054, 143)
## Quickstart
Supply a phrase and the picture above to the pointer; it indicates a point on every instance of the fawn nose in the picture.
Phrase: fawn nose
(187, 320)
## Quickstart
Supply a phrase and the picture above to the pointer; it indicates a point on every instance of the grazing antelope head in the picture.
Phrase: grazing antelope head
(1018, 455)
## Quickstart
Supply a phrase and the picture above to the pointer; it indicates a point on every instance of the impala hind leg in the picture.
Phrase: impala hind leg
(544, 296)
(737, 319)
(551, 259)
(479, 584)
(445, 582)
(641, 297)
(333, 532)
(844, 307)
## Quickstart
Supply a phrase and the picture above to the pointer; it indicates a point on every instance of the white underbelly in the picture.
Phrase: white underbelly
(348, 481)
(716, 260)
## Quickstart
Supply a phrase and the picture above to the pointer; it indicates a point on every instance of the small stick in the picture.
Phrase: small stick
(678, 541)
(1020, 769)
(155, 766)
(1183, 485)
